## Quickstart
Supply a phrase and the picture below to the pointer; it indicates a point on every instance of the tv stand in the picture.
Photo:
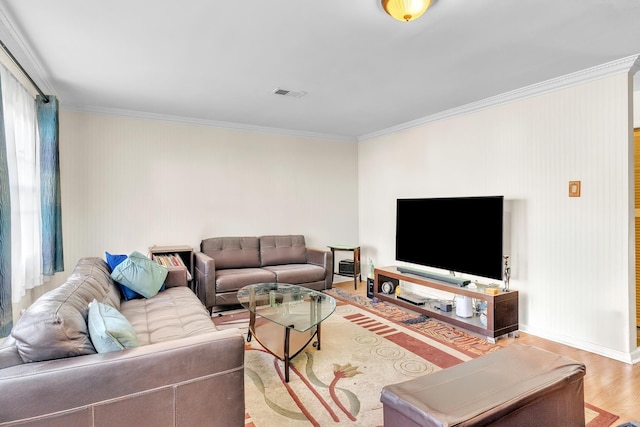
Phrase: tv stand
(502, 308)
(447, 278)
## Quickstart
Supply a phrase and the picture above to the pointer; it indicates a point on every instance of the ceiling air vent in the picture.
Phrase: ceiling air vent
(291, 93)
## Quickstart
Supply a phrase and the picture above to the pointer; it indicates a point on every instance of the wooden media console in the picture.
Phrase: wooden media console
(502, 308)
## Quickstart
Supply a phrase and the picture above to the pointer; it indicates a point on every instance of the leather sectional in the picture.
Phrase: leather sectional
(51, 374)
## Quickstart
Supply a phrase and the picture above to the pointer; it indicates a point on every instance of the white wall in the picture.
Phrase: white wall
(636, 109)
(128, 184)
(570, 256)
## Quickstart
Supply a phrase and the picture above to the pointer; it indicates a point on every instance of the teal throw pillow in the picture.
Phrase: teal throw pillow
(140, 274)
(114, 261)
(127, 294)
(109, 330)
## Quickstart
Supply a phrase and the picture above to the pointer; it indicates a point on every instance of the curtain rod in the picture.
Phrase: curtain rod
(15, 61)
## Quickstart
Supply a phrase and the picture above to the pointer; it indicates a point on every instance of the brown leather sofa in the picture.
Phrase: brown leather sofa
(226, 264)
(519, 385)
(184, 373)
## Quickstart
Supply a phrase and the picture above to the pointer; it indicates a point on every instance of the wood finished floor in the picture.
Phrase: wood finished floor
(609, 384)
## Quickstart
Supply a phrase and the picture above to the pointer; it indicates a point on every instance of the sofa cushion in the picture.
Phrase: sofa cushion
(297, 274)
(232, 252)
(172, 314)
(109, 330)
(55, 325)
(276, 250)
(140, 274)
(234, 279)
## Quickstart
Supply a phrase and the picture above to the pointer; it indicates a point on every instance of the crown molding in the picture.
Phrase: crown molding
(635, 67)
(206, 123)
(629, 64)
(22, 52)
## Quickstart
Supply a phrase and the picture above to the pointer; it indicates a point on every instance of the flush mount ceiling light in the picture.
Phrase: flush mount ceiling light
(406, 10)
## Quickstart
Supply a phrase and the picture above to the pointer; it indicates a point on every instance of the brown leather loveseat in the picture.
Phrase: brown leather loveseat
(183, 373)
(226, 264)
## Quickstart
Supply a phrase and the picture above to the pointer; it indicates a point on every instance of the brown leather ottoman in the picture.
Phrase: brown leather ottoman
(517, 385)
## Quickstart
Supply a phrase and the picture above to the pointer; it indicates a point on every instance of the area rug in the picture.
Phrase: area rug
(364, 347)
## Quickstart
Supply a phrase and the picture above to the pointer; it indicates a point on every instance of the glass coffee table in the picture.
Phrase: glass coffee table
(289, 317)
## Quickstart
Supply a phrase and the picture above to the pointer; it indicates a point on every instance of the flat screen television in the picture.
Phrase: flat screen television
(459, 234)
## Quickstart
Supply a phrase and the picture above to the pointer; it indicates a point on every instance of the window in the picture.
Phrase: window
(23, 164)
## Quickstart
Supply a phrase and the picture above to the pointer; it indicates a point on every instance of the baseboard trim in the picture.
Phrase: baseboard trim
(630, 358)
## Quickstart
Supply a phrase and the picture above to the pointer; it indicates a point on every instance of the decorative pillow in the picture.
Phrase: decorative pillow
(55, 325)
(109, 330)
(128, 294)
(140, 274)
(114, 261)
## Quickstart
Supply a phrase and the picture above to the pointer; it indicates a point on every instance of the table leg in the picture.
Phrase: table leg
(356, 266)
(333, 263)
(287, 360)
(359, 265)
(252, 313)
(315, 317)
(252, 324)
(318, 335)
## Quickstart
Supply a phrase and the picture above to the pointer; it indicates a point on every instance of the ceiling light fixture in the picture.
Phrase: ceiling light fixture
(406, 10)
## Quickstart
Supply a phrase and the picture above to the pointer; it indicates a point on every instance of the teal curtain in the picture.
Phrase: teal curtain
(52, 257)
(6, 315)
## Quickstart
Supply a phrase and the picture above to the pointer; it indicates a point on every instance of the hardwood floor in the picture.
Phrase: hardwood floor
(609, 384)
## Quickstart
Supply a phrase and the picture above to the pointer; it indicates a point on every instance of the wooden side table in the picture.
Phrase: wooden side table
(185, 252)
(356, 262)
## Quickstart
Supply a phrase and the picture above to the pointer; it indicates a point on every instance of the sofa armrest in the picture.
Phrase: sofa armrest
(177, 276)
(323, 259)
(147, 385)
(206, 279)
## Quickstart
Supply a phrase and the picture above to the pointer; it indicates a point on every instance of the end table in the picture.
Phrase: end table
(356, 262)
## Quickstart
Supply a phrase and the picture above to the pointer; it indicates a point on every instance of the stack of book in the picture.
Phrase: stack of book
(171, 260)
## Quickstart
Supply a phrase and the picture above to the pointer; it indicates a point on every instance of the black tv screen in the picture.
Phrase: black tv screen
(459, 234)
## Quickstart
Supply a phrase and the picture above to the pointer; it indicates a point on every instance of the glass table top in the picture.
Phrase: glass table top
(291, 306)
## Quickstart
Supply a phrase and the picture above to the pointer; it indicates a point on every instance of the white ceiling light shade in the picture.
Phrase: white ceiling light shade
(406, 10)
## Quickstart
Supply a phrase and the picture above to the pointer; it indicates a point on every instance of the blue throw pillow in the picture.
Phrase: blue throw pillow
(140, 274)
(114, 260)
(128, 294)
(109, 330)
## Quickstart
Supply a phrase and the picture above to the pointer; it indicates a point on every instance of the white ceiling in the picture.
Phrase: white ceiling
(218, 62)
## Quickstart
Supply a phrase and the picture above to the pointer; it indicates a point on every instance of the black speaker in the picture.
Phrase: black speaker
(370, 283)
(346, 267)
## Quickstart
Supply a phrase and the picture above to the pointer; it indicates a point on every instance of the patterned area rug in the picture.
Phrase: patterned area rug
(365, 345)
